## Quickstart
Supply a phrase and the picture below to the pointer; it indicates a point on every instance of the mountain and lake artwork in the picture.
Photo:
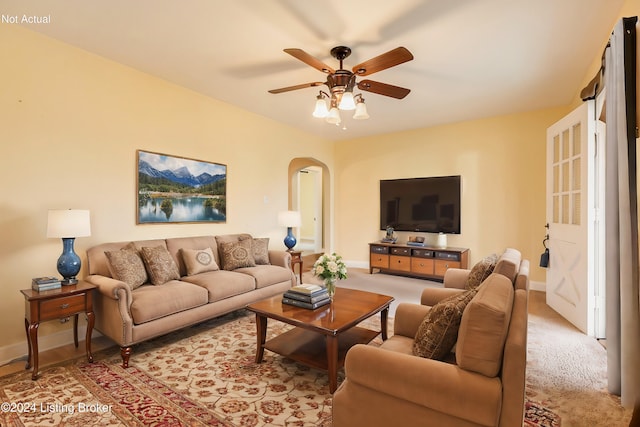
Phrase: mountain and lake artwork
(177, 189)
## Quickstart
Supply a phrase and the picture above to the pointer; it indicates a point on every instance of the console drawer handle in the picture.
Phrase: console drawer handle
(63, 306)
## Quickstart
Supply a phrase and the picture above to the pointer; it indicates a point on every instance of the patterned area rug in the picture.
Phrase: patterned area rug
(204, 375)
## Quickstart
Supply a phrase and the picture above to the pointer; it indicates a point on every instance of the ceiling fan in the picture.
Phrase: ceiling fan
(341, 82)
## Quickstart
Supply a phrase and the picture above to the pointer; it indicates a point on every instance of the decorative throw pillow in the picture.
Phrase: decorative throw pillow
(237, 254)
(438, 332)
(198, 260)
(481, 271)
(160, 264)
(127, 266)
(261, 250)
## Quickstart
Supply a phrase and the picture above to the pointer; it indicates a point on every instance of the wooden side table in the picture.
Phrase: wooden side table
(57, 304)
(296, 259)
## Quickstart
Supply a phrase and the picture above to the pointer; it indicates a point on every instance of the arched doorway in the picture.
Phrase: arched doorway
(309, 192)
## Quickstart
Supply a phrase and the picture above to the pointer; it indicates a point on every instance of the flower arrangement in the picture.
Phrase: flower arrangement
(330, 268)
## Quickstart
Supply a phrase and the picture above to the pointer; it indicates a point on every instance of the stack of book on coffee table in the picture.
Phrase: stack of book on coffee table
(307, 296)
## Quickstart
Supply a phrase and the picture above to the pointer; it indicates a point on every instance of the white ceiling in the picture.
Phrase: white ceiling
(473, 58)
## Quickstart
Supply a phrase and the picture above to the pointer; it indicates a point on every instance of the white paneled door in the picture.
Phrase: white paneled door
(572, 214)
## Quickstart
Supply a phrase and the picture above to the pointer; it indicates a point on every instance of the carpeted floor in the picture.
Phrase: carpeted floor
(206, 375)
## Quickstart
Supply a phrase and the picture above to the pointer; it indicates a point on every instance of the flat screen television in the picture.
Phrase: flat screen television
(430, 205)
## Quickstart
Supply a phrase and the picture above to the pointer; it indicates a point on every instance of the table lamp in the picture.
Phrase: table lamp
(289, 219)
(68, 224)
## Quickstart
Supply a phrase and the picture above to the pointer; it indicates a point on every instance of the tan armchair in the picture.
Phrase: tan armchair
(480, 384)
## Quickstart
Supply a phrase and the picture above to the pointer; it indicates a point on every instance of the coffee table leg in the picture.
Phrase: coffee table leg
(261, 325)
(384, 314)
(332, 362)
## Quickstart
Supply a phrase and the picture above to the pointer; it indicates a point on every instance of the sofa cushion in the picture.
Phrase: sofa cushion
(481, 271)
(127, 266)
(198, 260)
(160, 265)
(175, 245)
(509, 264)
(153, 302)
(484, 327)
(261, 250)
(438, 332)
(237, 254)
(267, 275)
(221, 284)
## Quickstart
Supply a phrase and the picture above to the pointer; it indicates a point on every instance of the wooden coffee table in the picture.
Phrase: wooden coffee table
(321, 337)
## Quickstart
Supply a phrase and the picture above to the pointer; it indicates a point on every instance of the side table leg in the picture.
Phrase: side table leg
(29, 346)
(75, 330)
(332, 362)
(384, 315)
(261, 325)
(90, 322)
(33, 339)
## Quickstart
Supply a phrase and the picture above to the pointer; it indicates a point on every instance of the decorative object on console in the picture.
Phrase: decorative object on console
(416, 241)
(68, 224)
(390, 237)
(330, 268)
(442, 240)
(289, 219)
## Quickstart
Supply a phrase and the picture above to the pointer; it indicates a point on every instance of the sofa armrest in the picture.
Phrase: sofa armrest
(111, 288)
(432, 296)
(408, 318)
(280, 258)
(425, 382)
(456, 278)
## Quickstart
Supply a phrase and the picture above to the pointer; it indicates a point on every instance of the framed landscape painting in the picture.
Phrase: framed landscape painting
(178, 189)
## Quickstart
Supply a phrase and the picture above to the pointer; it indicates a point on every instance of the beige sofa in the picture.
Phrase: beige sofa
(481, 383)
(129, 312)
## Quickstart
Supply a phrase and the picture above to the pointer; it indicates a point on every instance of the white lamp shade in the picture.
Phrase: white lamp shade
(68, 223)
(289, 219)
(347, 102)
(321, 109)
(361, 112)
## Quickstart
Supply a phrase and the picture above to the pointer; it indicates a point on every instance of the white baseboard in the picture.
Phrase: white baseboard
(9, 353)
(357, 264)
(537, 286)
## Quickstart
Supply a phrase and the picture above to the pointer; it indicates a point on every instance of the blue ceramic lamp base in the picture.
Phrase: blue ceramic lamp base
(290, 240)
(68, 263)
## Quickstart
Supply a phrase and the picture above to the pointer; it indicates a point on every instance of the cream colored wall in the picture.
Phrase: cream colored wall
(502, 163)
(71, 125)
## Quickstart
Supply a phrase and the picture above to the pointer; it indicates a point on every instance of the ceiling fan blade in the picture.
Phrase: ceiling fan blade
(296, 87)
(390, 59)
(310, 60)
(383, 89)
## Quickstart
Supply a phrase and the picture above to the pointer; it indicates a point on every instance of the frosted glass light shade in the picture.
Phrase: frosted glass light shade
(334, 116)
(347, 102)
(321, 109)
(66, 223)
(361, 112)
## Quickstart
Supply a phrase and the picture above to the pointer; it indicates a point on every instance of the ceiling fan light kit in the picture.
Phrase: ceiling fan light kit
(341, 82)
